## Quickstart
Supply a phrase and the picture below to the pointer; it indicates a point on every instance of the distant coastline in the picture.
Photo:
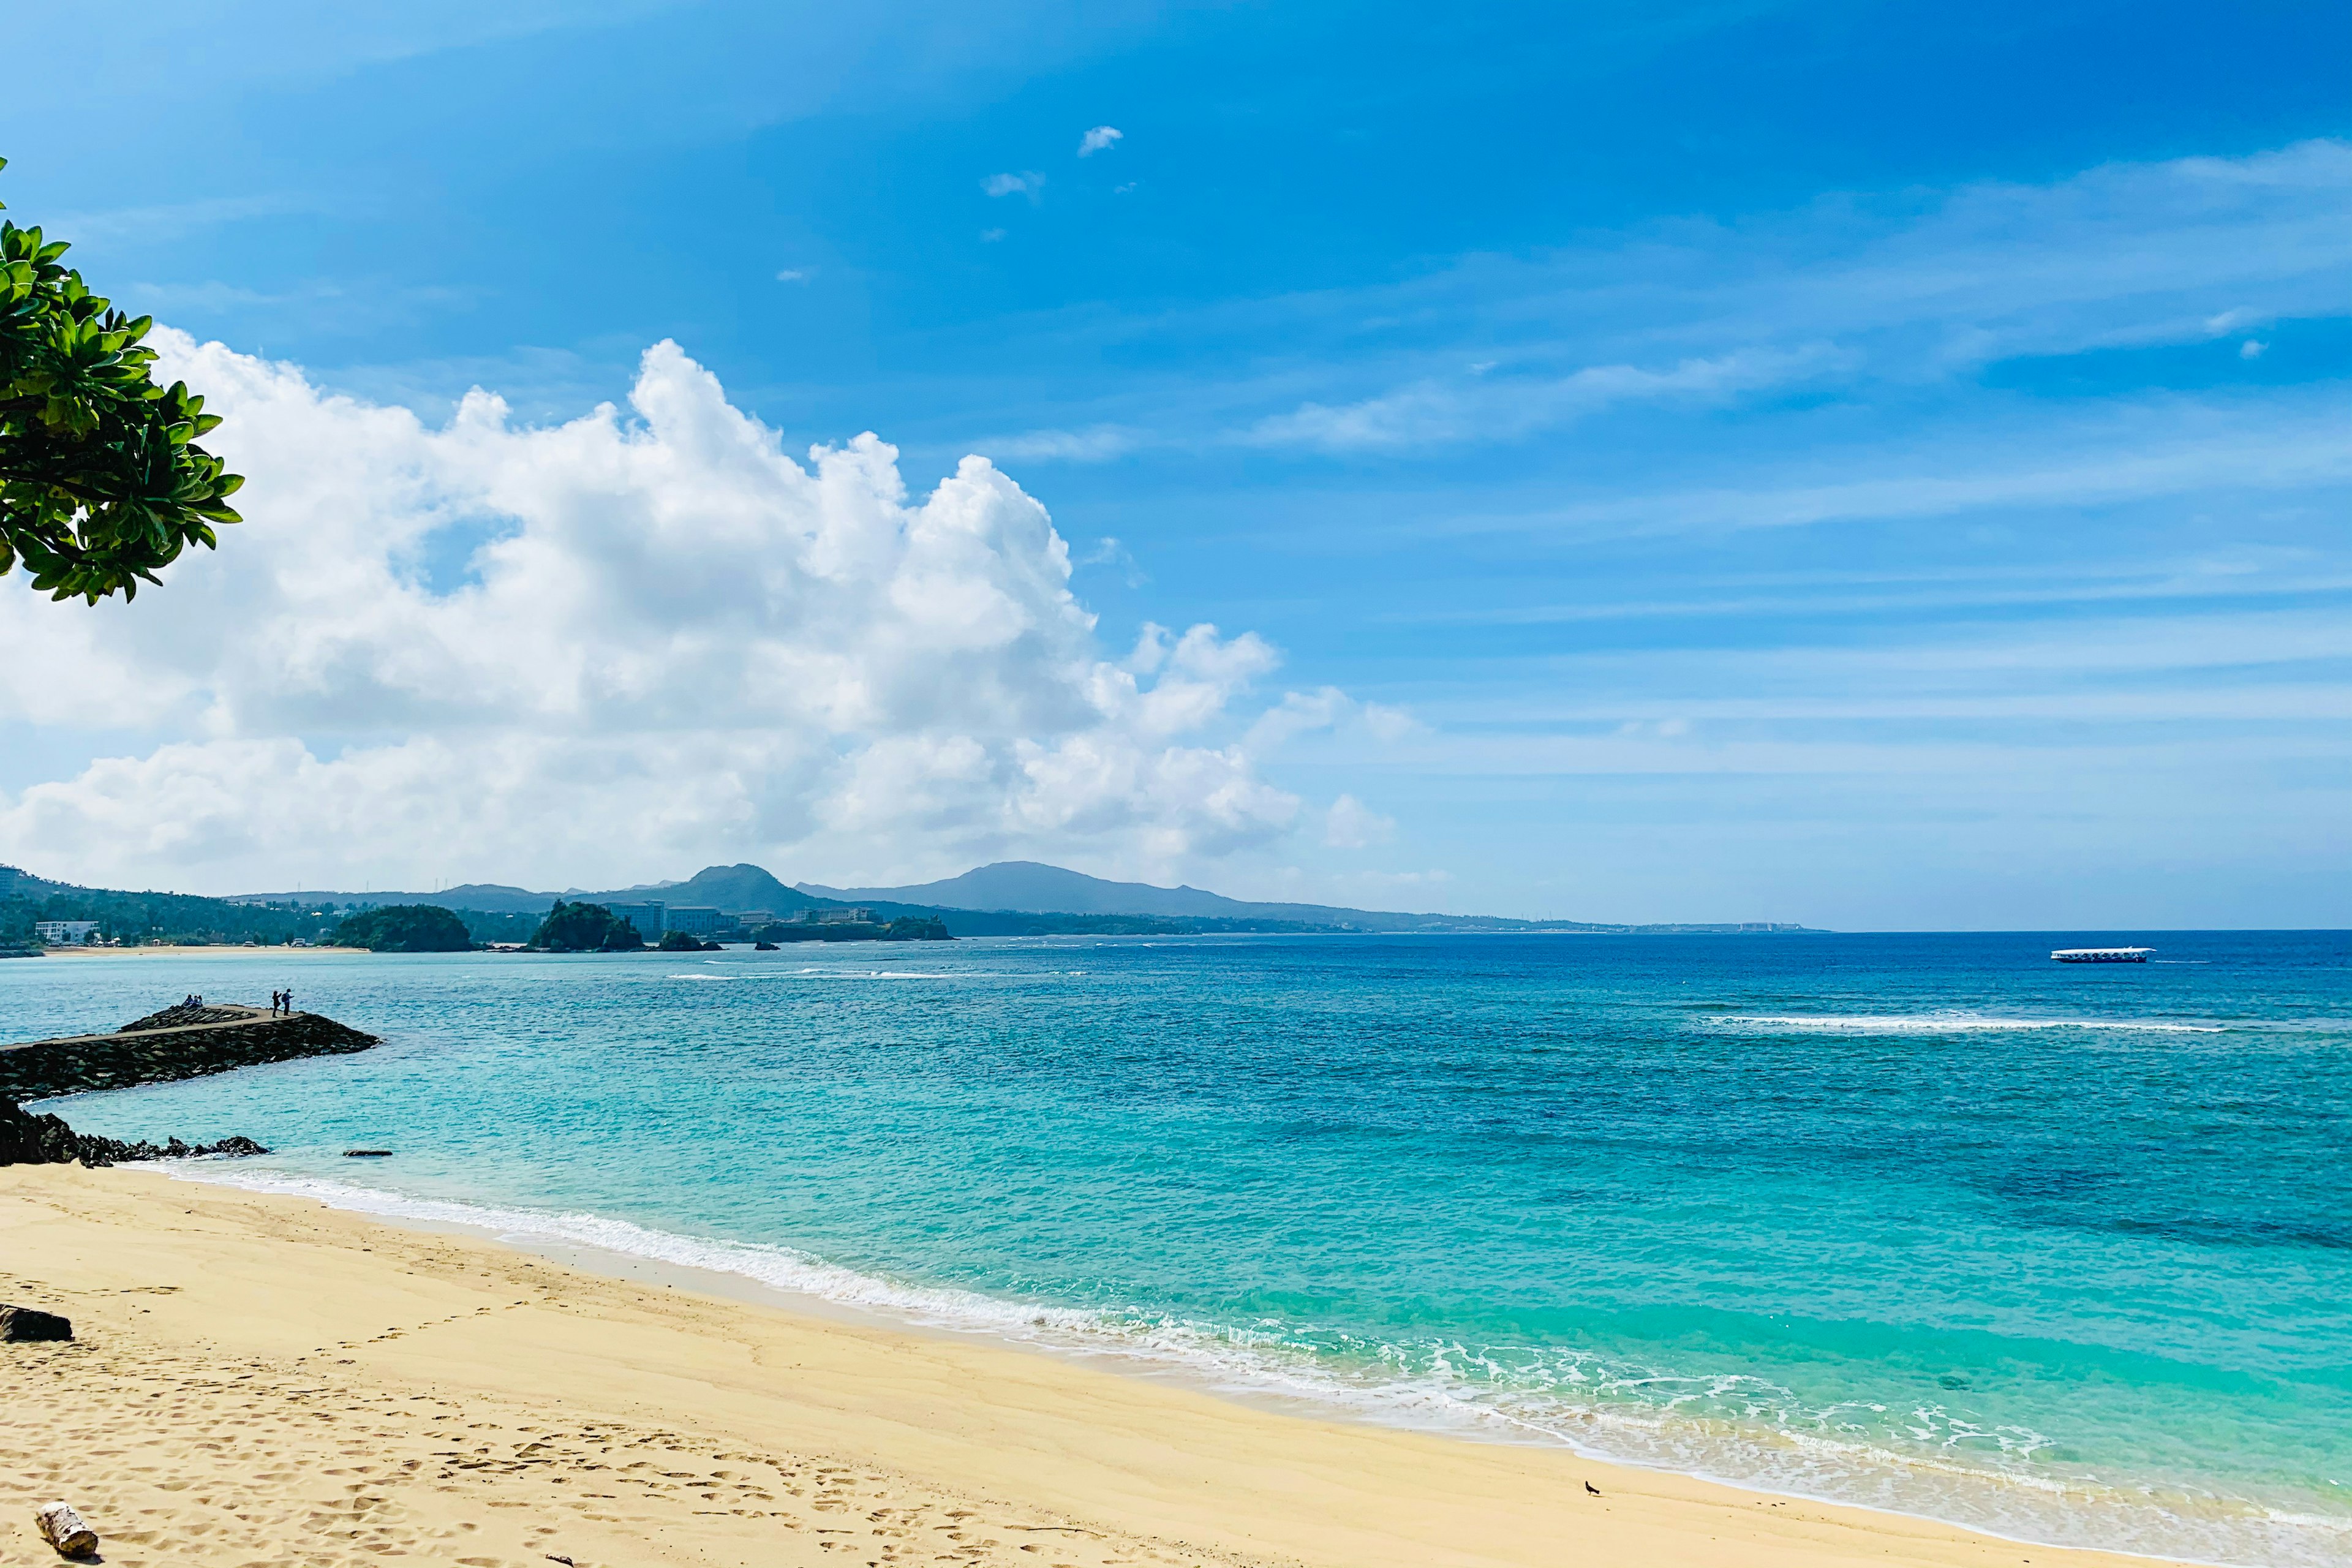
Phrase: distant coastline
(734, 903)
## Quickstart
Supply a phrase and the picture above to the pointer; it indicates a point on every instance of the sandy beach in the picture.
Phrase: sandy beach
(257, 1379)
(203, 950)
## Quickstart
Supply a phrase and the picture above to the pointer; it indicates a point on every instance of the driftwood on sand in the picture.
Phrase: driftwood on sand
(62, 1528)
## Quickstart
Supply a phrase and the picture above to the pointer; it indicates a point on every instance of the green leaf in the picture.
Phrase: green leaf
(100, 482)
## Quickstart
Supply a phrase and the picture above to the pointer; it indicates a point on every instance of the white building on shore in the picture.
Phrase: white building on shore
(650, 919)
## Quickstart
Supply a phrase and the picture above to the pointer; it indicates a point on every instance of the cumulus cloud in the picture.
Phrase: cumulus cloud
(614, 647)
(1352, 824)
(1026, 184)
(1099, 140)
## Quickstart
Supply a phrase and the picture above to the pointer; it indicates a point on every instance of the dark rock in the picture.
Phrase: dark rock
(21, 1325)
(30, 1139)
(180, 1014)
(27, 1139)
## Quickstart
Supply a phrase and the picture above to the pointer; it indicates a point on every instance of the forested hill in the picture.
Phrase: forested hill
(741, 886)
(1011, 899)
(25, 899)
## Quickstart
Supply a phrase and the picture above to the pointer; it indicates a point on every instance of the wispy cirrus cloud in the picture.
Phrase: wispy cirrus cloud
(1097, 444)
(1435, 412)
(1914, 290)
(163, 221)
(1028, 183)
(1481, 408)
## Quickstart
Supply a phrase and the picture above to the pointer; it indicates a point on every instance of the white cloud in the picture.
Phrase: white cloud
(2129, 452)
(1099, 140)
(1109, 551)
(175, 219)
(2252, 349)
(1352, 824)
(796, 274)
(991, 236)
(1490, 410)
(1097, 444)
(655, 641)
(1862, 294)
(1026, 184)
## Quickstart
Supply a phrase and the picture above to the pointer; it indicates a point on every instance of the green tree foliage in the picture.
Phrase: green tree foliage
(101, 482)
(585, 928)
(487, 926)
(404, 927)
(168, 918)
(684, 942)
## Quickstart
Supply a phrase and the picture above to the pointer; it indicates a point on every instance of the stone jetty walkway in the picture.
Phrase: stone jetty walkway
(182, 1041)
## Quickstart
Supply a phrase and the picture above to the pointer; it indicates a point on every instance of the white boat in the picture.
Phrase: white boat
(2102, 954)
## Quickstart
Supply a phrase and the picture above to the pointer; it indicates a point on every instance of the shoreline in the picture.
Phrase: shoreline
(1227, 1383)
(201, 950)
(1163, 1471)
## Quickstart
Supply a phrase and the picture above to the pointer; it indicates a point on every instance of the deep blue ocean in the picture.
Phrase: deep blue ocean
(1928, 1222)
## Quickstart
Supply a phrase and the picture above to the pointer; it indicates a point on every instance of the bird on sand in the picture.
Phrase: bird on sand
(1593, 1490)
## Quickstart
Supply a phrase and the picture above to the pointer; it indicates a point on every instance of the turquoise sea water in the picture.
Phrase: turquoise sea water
(1922, 1222)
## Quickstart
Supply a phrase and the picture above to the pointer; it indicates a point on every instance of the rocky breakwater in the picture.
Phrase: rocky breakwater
(189, 1040)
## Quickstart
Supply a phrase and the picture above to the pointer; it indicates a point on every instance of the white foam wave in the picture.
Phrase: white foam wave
(818, 973)
(1458, 1392)
(890, 974)
(1947, 1024)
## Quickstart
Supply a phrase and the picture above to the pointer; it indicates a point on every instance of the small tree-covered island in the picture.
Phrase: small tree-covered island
(404, 927)
(585, 928)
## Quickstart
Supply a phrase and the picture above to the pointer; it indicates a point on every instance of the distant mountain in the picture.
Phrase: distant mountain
(1032, 887)
(489, 898)
(1023, 888)
(1029, 888)
(732, 887)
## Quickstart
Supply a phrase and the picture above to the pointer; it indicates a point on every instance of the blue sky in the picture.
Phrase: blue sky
(1863, 465)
